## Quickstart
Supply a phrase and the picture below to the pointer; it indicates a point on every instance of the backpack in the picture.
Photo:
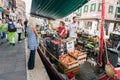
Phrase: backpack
(11, 27)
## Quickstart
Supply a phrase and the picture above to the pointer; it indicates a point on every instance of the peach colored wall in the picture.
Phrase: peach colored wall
(96, 13)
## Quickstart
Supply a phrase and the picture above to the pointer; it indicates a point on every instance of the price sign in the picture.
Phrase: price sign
(70, 45)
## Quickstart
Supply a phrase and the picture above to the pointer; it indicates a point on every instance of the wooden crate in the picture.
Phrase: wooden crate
(43, 49)
(80, 55)
(66, 71)
(81, 61)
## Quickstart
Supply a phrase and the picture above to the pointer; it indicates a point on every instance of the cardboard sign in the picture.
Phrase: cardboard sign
(70, 45)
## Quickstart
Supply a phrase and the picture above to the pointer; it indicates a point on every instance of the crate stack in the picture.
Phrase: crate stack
(57, 48)
(80, 56)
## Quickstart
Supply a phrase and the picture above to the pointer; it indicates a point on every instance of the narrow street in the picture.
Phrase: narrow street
(39, 73)
(59, 39)
(13, 62)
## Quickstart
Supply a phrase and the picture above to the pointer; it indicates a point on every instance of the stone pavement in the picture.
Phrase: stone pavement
(39, 72)
(13, 62)
(13, 65)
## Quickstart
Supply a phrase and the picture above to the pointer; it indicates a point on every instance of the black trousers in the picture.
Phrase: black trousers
(25, 33)
(19, 36)
(31, 61)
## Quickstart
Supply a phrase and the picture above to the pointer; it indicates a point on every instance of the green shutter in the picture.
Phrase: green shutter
(117, 12)
(93, 7)
(100, 7)
(118, 9)
(86, 8)
(110, 9)
(80, 11)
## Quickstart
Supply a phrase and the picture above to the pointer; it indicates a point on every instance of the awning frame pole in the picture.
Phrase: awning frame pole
(102, 32)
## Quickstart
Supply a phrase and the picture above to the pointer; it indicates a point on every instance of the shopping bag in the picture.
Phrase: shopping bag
(22, 36)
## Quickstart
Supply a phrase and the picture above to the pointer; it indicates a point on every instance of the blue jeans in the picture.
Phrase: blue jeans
(3, 35)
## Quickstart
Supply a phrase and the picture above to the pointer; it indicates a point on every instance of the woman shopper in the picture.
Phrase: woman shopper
(19, 29)
(32, 43)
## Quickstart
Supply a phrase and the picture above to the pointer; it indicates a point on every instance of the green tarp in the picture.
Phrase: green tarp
(55, 9)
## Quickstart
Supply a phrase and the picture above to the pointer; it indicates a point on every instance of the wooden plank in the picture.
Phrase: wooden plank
(67, 71)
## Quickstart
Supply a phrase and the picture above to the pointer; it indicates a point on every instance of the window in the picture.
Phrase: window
(80, 11)
(118, 9)
(93, 7)
(117, 14)
(110, 9)
(86, 8)
(100, 7)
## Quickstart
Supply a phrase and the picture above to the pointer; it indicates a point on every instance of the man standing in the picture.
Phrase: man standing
(73, 27)
(11, 32)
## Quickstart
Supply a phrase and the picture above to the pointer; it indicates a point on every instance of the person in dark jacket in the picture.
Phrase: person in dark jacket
(25, 24)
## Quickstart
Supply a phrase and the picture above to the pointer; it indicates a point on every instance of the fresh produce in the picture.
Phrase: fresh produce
(90, 46)
(57, 42)
(66, 59)
(76, 53)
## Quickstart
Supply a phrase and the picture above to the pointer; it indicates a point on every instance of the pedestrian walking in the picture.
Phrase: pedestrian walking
(25, 24)
(32, 43)
(3, 29)
(19, 29)
(7, 21)
(11, 32)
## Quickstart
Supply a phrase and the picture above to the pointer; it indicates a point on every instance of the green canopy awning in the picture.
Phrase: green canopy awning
(55, 9)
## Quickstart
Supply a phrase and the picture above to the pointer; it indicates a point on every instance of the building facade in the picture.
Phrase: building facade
(90, 16)
(20, 11)
(7, 7)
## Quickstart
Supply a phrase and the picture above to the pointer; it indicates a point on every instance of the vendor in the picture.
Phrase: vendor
(73, 27)
(61, 29)
(38, 28)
